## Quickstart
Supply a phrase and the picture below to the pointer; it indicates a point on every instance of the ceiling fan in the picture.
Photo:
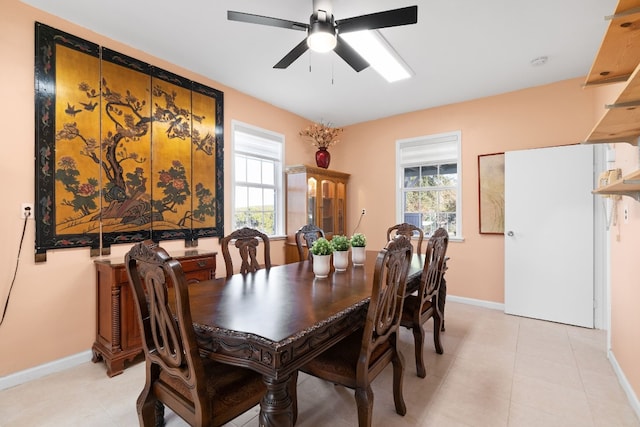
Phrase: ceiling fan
(323, 31)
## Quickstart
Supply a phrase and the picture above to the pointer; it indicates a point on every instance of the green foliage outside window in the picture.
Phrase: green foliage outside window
(430, 194)
(259, 218)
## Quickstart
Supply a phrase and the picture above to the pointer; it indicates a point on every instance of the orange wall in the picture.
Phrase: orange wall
(557, 114)
(52, 308)
(52, 311)
(625, 284)
(624, 288)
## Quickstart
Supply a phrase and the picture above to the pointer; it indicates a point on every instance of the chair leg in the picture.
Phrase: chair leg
(398, 378)
(159, 414)
(147, 410)
(442, 299)
(437, 322)
(364, 402)
(150, 409)
(418, 338)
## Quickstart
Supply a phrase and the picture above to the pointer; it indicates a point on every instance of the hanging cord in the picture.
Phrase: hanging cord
(358, 225)
(609, 204)
(6, 303)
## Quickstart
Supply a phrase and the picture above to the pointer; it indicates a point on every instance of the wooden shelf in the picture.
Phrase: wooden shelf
(621, 121)
(629, 185)
(619, 52)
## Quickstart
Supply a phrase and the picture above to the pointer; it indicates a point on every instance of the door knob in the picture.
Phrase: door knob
(510, 233)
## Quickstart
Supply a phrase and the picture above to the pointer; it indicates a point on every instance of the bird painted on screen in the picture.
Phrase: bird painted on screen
(89, 106)
(71, 110)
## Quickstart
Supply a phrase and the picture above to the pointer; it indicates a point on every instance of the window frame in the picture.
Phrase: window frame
(268, 136)
(429, 140)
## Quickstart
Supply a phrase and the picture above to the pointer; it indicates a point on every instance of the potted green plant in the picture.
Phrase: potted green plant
(341, 246)
(321, 250)
(358, 242)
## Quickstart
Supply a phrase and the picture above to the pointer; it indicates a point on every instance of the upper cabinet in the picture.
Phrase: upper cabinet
(617, 61)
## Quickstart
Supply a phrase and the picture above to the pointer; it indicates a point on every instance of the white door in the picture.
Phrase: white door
(549, 234)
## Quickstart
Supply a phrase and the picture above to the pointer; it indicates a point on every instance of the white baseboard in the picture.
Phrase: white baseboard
(622, 379)
(478, 302)
(40, 371)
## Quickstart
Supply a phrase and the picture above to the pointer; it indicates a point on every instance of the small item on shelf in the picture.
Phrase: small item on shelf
(615, 185)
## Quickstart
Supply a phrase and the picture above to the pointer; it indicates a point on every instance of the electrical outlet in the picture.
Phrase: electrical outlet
(364, 211)
(626, 215)
(26, 210)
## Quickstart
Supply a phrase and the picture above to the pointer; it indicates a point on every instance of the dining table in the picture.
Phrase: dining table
(275, 320)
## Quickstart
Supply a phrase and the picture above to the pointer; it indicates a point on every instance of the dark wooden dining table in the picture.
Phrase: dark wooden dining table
(274, 321)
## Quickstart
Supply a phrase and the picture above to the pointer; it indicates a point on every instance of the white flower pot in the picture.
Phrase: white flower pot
(341, 260)
(321, 265)
(358, 255)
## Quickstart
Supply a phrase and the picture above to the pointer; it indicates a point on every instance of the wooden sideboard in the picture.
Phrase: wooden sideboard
(118, 338)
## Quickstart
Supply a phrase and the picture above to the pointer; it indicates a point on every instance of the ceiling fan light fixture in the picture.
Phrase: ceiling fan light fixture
(374, 48)
(322, 37)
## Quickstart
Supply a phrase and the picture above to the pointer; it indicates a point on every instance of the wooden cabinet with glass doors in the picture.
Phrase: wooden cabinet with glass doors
(314, 196)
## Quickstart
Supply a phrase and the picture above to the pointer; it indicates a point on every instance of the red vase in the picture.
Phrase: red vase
(323, 157)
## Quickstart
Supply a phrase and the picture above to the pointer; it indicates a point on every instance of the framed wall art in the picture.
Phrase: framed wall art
(124, 151)
(491, 193)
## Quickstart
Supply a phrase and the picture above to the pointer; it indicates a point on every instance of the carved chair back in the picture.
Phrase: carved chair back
(306, 235)
(435, 264)
(387, 295)
(408, 230)
(357, 360)
(246, 240)
(423, 306)
(176, 374)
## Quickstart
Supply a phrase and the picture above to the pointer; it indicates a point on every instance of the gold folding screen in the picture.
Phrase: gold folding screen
(124, 151)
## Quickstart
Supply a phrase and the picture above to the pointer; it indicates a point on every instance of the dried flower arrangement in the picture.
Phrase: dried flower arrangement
(321, 135)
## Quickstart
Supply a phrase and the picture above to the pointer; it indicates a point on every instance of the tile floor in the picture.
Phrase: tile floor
(497, 370)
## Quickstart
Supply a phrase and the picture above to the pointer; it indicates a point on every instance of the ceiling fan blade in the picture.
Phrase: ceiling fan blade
(292, 55)
(350, 56)
(265, 20)
(389, 18)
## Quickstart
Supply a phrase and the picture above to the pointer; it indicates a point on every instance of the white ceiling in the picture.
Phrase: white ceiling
(459, 49)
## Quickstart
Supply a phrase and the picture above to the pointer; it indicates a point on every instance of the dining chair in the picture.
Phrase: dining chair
(305, 236)
(357, 360)
(247, 241)
(423, 305)
(201, 391)
(408, 230)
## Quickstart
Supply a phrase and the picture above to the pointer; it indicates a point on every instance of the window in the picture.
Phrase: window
(257, 179)
(428, 176)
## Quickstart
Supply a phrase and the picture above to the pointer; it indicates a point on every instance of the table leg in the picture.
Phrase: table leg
(277, 406)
